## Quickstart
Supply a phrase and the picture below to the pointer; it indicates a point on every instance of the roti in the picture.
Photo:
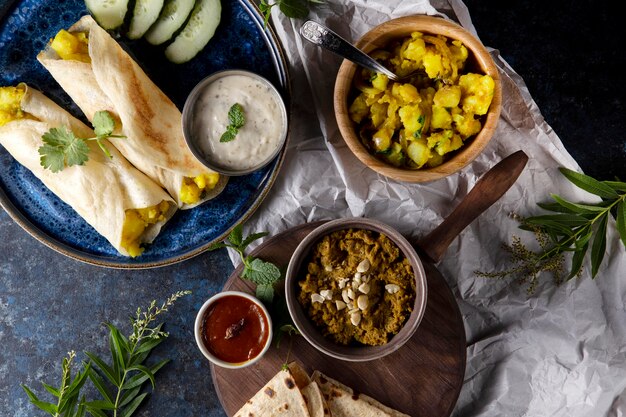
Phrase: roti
(279, 397)
(343, 402)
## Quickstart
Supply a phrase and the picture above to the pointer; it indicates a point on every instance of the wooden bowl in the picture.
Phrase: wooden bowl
(381, 36)
(297, 267)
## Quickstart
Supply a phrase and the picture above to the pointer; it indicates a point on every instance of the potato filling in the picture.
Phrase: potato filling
(10, 104)
(417, 123)
(136, 222)
(71, 46)
(194, 188)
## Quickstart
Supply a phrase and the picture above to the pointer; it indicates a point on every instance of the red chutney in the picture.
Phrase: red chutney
(235, 329)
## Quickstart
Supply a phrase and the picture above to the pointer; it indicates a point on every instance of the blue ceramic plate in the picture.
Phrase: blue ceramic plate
(239, 42)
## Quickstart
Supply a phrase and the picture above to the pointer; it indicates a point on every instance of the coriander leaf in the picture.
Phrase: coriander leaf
(236, 116)
(265, 293)
(227, 136)
(51, 158)
(103, 123)
(294, 9)
(261, 272)
(62, 148)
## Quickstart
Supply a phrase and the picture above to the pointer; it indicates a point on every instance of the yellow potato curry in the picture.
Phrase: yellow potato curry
(75, 46)
(136, 222)
(10, 100)
(416, 123)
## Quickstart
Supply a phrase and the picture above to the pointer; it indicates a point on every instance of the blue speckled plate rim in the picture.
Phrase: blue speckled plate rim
(282, 69)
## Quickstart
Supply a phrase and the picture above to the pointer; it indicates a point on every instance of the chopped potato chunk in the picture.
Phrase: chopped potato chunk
(136, 222)
(10, 104)
(193, 189)
(71, 46)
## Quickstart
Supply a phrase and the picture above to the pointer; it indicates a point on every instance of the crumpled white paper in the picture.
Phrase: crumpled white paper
(559, 352)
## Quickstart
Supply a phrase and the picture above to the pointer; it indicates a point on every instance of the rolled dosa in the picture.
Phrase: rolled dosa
(113, 81)
(100, 191)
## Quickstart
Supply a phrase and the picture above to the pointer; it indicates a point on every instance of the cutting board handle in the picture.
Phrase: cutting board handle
(488, 189)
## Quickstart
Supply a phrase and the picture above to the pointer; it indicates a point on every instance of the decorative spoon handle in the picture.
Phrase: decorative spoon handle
(489, 188)
(326, 38)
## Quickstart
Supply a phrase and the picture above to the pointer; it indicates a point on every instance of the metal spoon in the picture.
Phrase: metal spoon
(326, 38)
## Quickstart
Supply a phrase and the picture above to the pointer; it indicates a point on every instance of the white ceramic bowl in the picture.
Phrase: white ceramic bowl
(198, 329)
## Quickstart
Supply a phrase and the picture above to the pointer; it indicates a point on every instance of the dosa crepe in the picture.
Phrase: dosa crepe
(116, 199)
(98, 74)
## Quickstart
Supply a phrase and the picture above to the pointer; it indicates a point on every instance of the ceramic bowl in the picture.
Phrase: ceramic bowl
(297, 269)
(199, 326)
(479, 60)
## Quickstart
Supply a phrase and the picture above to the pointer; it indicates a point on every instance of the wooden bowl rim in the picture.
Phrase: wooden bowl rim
(379, 37)
(308, 329)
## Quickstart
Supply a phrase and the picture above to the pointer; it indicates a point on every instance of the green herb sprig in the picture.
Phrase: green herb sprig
(572, 227)
(67, 394)
(265, 275)
(62, 148)
(293, 9)
(122, 383)
(236, 120)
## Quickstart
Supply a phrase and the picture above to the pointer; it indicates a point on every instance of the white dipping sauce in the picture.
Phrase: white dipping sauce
(259, 137)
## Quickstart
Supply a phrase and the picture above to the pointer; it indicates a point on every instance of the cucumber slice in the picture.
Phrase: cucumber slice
(145, 13)
(197, 32)
(108, 13)
(172, 17)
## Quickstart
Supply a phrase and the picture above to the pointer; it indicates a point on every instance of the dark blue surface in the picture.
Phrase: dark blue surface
(237, 43)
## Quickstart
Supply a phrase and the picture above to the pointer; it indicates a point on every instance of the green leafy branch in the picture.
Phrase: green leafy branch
(265, 275)
(121, 383)
(293, 9)
(61, 148)
(572, 227)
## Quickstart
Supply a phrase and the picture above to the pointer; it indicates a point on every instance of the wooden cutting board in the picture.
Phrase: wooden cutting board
(423, 378)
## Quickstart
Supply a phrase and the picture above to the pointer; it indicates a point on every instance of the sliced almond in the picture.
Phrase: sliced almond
(362, 302)
(355, 318)
(327, 294)
(364, 266)
(364, 288)
(316, 298)
(344, 296)
(392, 288)
(340, 305)
(328, 268)
(351, 294)
(357, 275)
(343, 282)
